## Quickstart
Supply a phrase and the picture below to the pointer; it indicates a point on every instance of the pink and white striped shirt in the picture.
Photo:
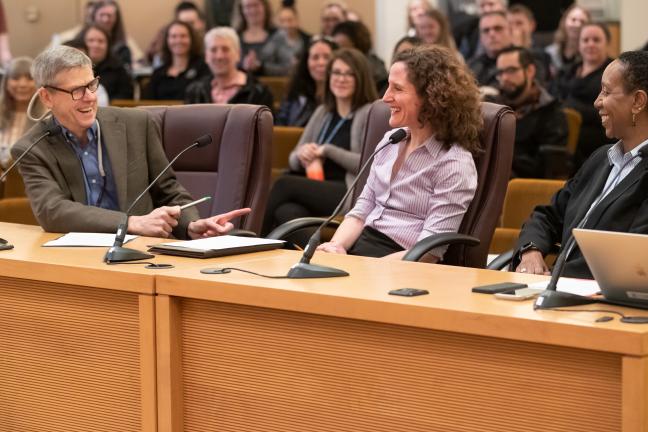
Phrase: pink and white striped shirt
(428, 195)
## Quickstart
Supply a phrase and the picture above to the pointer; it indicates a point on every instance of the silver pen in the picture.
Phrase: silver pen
(193, 203)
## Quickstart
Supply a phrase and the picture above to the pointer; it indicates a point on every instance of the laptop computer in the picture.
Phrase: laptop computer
(618, 263)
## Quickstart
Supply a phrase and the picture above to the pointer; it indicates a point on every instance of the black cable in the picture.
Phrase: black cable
(223, 270)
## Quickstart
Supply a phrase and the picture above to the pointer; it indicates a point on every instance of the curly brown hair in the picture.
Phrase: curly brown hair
(449, 95)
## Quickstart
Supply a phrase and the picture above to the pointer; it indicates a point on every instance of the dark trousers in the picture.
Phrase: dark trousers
(294, 196)
(373, 243)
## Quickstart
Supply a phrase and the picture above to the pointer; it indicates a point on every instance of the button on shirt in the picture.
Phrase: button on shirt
(100, 191)
(428, 195)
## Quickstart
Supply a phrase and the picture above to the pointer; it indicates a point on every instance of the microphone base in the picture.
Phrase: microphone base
(121, 254)
(550, 299)
(313, 271)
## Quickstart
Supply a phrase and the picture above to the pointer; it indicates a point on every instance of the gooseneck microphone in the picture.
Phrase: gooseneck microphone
(50, 132)
(551, 298)
(117, 253)
(304, 269)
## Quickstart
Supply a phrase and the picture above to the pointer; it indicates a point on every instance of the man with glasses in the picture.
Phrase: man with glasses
(495, 35)
(86, 177)
(540, 119)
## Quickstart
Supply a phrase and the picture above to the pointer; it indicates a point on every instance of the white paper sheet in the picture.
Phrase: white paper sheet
(76, 239)
(584, 287)
(221, 242)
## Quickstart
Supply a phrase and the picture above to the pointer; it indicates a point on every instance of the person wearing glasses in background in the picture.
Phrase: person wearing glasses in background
(85, 178)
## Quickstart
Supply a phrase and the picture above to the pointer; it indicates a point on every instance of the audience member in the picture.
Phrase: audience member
(416, 8)
(226, 84)
(352, 34)
(406, 43)
(285, 46)
(432, 28)
(84, 179)
(182, 63)
(219, 13)
(329, 149)
(522, 24)
(114, 76)
(187, 12)
(423, 185)
(307, 84)
(253, 23)
(610, 191)
(579, 85)
(495, 36)
(332, 14)
(106, 14)
(564, 50)
(17, 89)
(467, 33)
(540, 119)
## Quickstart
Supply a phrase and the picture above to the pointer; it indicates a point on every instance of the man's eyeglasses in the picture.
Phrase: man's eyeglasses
(494, 29)
(78, 92)
(507, 71)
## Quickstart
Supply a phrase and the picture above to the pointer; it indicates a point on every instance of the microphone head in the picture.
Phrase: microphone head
(203, 140)
(399, 136)
(54, 130)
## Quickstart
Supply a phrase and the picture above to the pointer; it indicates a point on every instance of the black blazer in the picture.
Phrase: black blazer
(624, 209)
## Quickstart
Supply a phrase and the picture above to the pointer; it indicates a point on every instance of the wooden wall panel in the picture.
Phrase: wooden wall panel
(254, 369)
(69, 359)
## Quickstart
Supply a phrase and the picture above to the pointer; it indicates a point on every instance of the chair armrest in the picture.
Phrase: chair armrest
(288, 228)
(242, 233)
(435, 240)
(501, 261)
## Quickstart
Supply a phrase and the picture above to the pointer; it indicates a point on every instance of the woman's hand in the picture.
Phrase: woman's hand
(532, 262)
(307, 153)
(331, 247)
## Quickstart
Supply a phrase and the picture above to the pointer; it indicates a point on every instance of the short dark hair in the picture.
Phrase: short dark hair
(524, 55)
(357, 32)
(635, 70)
(188, 5)
(521, 9)
(301, 81)
(195, 46)
(604, 28)
(365, 87)
(498, 13)
(412, 40)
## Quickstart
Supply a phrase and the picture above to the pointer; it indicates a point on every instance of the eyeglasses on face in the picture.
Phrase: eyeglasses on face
(494, 29)
(508, 71)
(78, 92)
(342, 74)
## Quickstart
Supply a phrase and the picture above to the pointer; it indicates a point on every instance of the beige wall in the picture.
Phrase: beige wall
(142, 19)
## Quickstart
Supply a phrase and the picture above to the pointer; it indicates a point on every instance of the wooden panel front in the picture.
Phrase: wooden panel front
(70, 359)
(254, 369)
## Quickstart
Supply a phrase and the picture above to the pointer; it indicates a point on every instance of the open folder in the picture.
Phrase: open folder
(216, 246)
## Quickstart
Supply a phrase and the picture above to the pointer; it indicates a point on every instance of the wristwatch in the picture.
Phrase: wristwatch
(528, 247)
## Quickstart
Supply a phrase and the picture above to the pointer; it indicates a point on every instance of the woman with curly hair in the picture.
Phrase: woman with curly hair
(423, 185)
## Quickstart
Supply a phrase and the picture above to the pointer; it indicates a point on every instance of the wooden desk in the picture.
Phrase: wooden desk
(239, 352)
(77, 341)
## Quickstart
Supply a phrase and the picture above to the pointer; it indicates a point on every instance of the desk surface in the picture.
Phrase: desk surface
(451, 306)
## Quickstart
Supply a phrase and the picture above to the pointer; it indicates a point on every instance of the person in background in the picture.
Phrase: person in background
(306, 88)
(187, 12)
(522, 24)
(351, 34)
(285, 46)
(578, 86)
(182, 63)
(226, 84)
(467, 34)
(106, 14)
(332, 14)
(114, 76)
(253, 23)
(540, 119)
(424, 184)
(495, 36)
(432, 27)
(406, 43)
(16, 91)
(610, 191)
(564, 50)
(329, 150)
(219, 13)
(416, 8)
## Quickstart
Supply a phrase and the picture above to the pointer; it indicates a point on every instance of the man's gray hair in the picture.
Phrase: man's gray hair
(57, 59)
(225, 33)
